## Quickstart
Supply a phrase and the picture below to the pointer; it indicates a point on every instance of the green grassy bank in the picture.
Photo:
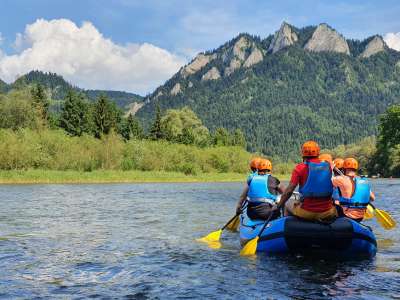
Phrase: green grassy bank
(112, 176)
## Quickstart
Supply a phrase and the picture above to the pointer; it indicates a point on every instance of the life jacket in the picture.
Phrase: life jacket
(360, 197)
(258, 190)
(318, 184)
(250, 177)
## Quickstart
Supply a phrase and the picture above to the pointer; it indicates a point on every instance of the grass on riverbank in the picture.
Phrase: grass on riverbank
(107, 176)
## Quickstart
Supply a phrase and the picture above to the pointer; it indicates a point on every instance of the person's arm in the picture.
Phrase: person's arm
(242, 198)
(281, 189)
(371, 196)
(287, 193)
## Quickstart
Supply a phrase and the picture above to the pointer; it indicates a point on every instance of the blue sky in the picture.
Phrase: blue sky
(183, 28)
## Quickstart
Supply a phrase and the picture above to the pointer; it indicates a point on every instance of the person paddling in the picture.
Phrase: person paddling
(313, 177)
(253, 171)
(261, 193)
(354, 192)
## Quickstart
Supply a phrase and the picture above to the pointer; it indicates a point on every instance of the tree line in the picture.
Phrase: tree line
(377, 155)
(30, 107)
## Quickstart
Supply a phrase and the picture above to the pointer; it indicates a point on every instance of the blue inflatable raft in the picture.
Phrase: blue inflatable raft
(344, 238)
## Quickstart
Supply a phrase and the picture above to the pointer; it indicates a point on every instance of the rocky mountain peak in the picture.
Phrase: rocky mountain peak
(240, 47)
(327, 39)
(374, 46)
(200, 61)
(284, 37)
(212, 74)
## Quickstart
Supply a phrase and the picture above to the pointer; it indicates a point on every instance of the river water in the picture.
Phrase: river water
(136, 241)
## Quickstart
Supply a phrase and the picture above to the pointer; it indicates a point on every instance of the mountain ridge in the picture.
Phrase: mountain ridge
(304, 84)
(57, 86)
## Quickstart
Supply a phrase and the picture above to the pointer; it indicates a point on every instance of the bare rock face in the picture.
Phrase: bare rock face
(240, 47)
(197, 64)
(133, 108)
(254, 58)
(327, 39)
(234, 65)
(212, 74)
(176, 89)
(284, 37)
(159, 94)
(374, 46)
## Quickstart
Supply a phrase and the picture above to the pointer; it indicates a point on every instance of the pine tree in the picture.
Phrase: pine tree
(106, 116)
(40, 101)
(222, 137)
(238, 139)
(131, 129)
(156, 131)
(76, 116)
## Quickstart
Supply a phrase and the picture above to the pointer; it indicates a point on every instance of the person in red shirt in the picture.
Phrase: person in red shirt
(313, 176)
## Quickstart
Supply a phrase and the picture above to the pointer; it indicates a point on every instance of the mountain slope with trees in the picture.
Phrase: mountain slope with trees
(58, 88)
(298, 84)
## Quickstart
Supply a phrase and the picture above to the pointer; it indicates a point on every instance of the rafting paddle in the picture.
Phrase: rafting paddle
(369, 213)
(234, 225)
(215, 235)
(384, 218)
(251, 246)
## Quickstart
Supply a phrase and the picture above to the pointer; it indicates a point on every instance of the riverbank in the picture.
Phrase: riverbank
(108, 176)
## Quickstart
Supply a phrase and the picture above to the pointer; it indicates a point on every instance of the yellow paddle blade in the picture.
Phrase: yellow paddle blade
(369, 213)
(212, 237)
(385, 219)
(233, 226)
(250, 247)
(214, 245)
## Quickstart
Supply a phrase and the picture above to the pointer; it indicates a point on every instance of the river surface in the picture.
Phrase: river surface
(137, 241)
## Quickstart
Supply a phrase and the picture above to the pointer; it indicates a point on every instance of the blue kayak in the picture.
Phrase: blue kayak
(344, 238)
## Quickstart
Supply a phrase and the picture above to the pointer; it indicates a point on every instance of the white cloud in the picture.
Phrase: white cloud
(87, 59)
(393, 40)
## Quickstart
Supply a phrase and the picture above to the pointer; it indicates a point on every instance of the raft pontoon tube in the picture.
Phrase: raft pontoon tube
(344, 238)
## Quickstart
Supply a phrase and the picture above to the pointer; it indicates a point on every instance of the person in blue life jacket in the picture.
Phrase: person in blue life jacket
(253, 171)
(354, 191)
(261, 192)
(313, 177)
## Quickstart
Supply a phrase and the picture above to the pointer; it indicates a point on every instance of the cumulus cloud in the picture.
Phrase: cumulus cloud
(87, 59)
(393, 40)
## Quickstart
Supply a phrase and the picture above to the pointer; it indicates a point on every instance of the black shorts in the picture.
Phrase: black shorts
(261, 211)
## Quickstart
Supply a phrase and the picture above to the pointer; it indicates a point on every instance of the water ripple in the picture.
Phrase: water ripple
(136, 241)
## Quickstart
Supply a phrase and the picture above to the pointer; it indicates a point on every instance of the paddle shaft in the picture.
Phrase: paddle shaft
(265, 225)
(230, 221)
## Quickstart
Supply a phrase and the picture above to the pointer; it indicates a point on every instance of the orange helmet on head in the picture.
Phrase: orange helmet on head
(310, 149)
(350, 163)
(254, 163)
(339, 163)
(326, 157)
(265, 164)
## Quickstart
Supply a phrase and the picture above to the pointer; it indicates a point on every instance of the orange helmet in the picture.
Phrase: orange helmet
(325, 157)
(265, 164)
(254, 163)
(310, 149)
(350, 163)
(339, 163)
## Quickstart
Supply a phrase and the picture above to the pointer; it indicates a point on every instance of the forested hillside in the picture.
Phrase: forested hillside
(292, 86)
(58, 88)
(3, 86)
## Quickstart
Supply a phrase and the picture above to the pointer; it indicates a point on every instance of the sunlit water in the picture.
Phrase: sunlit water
(137, 241)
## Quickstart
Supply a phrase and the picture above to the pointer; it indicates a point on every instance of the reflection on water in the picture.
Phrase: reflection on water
(138, 241)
